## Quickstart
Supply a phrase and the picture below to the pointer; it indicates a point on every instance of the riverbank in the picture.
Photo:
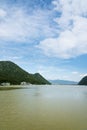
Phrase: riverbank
(12, 87)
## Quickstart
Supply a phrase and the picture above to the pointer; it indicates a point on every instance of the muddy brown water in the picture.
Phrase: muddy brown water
(52, 107)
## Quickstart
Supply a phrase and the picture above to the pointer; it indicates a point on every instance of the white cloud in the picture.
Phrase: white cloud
(20, 25)
(83, 75)
(2, 13)
(75, 72)
(72, 39)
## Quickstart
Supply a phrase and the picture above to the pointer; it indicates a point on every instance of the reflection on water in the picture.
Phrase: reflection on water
(44, 108)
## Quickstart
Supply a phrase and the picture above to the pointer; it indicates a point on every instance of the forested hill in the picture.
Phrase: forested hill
(83, 81)
(12, 73)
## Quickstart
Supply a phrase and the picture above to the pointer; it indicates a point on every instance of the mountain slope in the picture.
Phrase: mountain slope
(10, 72)
(83, 81)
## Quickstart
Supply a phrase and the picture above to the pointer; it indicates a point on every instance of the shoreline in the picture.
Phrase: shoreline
(12, 87)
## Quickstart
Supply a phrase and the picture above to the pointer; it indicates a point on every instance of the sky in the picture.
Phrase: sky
(45, 36)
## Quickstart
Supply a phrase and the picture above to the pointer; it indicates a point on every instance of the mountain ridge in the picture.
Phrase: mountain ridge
(83, 81)
(12, 73)
(63, 82)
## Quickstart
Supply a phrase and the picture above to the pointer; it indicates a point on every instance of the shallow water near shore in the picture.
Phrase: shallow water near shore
(46, 107)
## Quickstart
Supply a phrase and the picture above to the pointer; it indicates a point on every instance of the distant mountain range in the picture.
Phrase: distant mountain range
(63, 82)
(83, 81)
(13, 74)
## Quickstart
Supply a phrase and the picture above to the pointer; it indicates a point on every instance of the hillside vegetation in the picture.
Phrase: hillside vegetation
(12, 73)
(83, 81)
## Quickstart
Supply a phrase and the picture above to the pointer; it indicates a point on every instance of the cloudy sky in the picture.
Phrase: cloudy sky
(45, 36)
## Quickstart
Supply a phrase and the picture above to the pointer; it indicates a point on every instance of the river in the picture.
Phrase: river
(45, 107)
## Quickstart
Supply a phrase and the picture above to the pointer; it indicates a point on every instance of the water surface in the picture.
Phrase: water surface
(44, 108)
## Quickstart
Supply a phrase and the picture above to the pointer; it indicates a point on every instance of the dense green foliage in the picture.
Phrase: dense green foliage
(12, 73)
(83, 81)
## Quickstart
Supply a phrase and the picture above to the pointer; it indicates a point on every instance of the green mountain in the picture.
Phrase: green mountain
(83, 81)
(12, 73)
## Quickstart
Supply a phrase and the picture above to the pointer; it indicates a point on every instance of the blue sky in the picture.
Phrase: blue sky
(45, 36)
